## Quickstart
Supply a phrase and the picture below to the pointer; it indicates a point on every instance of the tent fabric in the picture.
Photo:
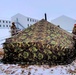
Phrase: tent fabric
(41, 43)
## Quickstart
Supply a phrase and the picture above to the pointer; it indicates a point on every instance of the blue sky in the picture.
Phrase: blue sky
(37, 8)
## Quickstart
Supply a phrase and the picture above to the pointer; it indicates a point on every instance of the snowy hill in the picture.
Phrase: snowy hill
(4, 33)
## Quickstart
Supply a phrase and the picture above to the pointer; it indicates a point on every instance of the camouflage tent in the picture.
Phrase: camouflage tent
(41, 43)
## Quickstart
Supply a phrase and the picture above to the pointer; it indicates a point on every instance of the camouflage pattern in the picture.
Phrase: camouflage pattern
(41, 43)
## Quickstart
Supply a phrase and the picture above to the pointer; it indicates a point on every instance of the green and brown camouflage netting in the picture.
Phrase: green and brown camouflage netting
(41, 43)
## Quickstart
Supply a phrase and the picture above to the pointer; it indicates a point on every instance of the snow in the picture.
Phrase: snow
(4, 33)
(15, 69)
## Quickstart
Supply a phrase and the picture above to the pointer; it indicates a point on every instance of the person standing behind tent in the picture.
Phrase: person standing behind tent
(74, 34)
(13, 29)
(74, 29)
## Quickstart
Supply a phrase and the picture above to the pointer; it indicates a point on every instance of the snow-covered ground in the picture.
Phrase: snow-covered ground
(11, 69)
(4, 33)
